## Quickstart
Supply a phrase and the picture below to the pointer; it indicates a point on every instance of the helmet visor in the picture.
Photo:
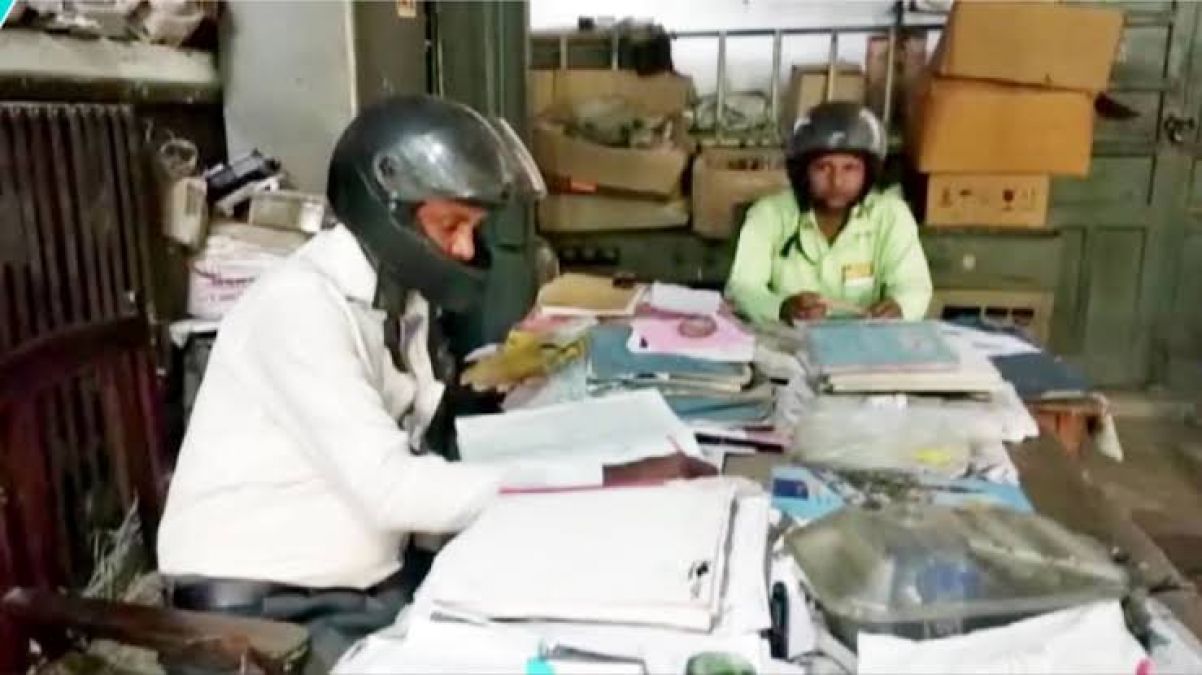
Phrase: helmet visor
(492, 169)
(526, 182)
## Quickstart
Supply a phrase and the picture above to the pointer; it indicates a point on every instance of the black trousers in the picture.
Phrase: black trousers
(334, 618)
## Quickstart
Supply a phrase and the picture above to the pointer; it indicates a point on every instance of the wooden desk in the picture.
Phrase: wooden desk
(1070, 421)
(1060, 490)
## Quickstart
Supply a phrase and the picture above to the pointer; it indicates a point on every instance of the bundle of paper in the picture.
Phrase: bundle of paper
(612, 361)
(897, 356)
(676, 299)
(666, 335)
(538, 347)
(587, 295)
(623, 580)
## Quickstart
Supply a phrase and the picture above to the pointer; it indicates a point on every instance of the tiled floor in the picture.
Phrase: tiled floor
(1160, 484)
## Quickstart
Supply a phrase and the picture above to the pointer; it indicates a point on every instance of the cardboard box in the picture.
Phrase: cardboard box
(288, 210)
(724, 178)
(807, 88)
(599, 213)
(966, 126)
(590, 166)
(988, 199)
(542, 90)
(556, 91)
(911, 63)
(1039, 43)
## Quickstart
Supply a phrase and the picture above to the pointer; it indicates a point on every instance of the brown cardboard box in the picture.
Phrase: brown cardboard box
(557, 90)
(724, 178)
(590, 166)
(988, 199)
(807, 88)
(600, 213)
(542, 90)
(1039, 43)
(911, 63)
(965, 126)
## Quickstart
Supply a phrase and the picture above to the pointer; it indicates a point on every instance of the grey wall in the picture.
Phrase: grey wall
(296, 71)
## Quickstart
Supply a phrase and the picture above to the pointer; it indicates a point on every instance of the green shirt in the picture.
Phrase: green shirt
(876, 255)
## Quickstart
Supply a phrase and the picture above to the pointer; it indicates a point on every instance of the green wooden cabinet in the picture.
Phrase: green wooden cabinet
(1121, 228)
(480, 58)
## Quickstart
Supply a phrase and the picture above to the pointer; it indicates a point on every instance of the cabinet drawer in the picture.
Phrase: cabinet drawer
(1009, 261)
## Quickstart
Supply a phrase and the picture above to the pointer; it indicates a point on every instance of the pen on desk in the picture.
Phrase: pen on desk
(711, 439)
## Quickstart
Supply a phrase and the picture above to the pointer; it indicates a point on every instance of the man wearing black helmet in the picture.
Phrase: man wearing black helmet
(833, 244)
(305, 468)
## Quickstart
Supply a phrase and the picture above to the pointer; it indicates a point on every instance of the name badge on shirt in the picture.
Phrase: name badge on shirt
(857, 274)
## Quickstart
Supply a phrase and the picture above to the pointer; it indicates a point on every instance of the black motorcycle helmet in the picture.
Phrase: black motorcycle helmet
(835, 126)
(403, 151)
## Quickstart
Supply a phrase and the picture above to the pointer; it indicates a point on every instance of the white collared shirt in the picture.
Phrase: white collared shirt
(294, 468)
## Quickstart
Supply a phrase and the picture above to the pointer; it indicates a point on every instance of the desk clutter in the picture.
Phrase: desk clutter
(892, 529)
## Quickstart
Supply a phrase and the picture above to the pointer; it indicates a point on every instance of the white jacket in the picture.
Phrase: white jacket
(294, 469)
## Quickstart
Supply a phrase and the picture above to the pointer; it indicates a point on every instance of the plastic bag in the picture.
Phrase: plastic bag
(883, 433)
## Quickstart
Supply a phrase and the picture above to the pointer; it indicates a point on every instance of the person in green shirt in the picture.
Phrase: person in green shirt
(833, 244)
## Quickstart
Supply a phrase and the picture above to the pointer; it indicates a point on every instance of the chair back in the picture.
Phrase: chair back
(80, 445)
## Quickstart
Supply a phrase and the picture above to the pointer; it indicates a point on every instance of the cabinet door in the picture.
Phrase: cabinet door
(1179, 352)
(1121, 227)
(480, 59)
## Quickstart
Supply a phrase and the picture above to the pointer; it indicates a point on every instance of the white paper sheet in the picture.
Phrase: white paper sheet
(438, 648)
(651, 555)
(613, 429)
(745, 600)
(1088, 639)
(730, 343)
(682, 299)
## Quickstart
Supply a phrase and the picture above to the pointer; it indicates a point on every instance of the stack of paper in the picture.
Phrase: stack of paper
(871, 346)
(729, 343)
(571, 556)
(613, 581)
(916, 357)
(676, 299)
(532, 443)
(586, 295)
(695, 388)
(611, 360)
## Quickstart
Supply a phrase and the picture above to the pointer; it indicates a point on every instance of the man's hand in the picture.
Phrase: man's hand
(885, 309)
(803, 307)
(658, 469)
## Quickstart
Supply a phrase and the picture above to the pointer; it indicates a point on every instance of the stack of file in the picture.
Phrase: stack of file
(695, 388)
(643, 576)
(892, 356)
(587, 295)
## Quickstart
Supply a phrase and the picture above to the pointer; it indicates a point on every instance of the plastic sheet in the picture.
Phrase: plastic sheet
(883, 434)
(926, 571)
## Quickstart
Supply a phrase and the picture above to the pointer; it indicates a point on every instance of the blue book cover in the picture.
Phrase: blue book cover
(1034, 375)
(838, 346)
(611, 359)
